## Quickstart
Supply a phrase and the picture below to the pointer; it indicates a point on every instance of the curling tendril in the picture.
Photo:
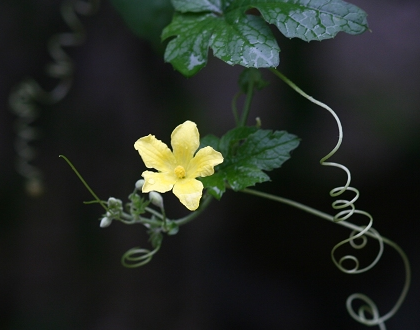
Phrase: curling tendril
(346, 209)
(24, 98)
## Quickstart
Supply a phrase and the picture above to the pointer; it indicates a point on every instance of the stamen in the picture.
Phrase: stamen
(180, 172)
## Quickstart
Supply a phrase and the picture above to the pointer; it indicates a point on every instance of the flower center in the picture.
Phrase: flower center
(180, 172)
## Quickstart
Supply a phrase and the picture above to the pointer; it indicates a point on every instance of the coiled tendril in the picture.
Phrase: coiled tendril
(346, 209)
(136, 257)
(24, 98)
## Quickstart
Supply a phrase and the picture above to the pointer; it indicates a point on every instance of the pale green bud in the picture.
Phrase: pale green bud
(114, 203)
(105, 222)
(139, 184)
(156, 199)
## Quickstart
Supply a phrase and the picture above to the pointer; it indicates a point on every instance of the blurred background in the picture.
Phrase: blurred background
(247, 263)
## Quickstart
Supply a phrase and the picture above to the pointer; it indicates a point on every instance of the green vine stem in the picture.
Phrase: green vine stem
(247, 105)
(235, 108)
(203, 205)
(84, 182)
(369, 306)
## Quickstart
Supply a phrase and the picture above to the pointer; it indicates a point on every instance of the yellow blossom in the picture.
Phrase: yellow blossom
(179, 169)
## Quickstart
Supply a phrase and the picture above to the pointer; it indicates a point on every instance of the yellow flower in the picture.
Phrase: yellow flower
(177, 170)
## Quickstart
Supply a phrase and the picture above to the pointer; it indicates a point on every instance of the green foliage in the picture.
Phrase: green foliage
(251, 77)
(237, 32)
(247, 152)
(146, 18)
(138, 204)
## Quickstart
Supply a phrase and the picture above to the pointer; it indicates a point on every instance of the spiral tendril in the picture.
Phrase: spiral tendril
(346, 210)
(25, 97)
(136, 257)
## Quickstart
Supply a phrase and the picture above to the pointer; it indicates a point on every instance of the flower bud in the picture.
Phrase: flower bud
(115, 208)
(114, 202)
(139, 184)
(156, 199)
(105, 222)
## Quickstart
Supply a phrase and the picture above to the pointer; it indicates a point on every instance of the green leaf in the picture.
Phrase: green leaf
(242, 176)
(215, 184)
(261, 150)
(266, 149)
(196, 6)
(247, 152)
(138, 204)
(245, 40)
(209, 140)
(309, 19)
(229, 142)
(146, 18)
(237, 37)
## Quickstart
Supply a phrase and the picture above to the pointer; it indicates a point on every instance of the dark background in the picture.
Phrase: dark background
(247, 263)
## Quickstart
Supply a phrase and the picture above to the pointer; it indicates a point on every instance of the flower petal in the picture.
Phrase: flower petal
(160, 182)
(185, 140)
(203, 163)
(155, 153)
(189, 192)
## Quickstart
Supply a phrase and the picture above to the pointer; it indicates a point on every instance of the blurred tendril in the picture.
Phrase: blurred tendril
(25, 98)
(137, 257)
